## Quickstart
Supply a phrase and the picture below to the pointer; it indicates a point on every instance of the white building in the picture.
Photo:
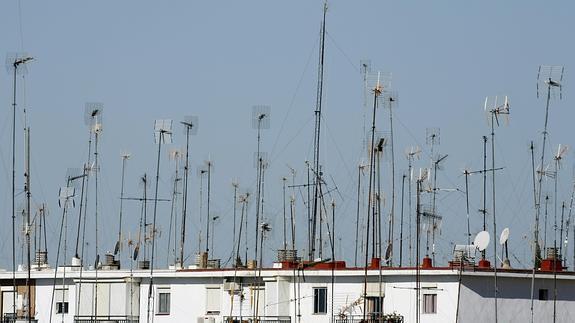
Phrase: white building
(290, 295)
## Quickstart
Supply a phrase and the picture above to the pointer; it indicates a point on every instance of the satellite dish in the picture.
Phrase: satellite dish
(481, 240)
(504, 236)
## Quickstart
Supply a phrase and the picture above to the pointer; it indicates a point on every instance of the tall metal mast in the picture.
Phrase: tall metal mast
(162, 134)
(191, 125)
(16, 63)
(316, 142)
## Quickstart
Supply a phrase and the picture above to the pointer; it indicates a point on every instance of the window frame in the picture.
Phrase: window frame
(543, 294)
(433, 297)
(316, 300)
(218, 291)
(62, 307)
(160, 310)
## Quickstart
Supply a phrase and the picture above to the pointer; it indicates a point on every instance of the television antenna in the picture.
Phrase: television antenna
(93, 118)
(391, 99)
(175, 155)
(162, 135)
(125, 156)
(551, 78)
(208, 164)
(423, 176)
(411, 153)
(191, 125)
(244, 200)
(260, 120)
(496, 107)
(15, 63)
(558, 158)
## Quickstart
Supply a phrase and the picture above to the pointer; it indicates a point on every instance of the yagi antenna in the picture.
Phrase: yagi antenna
(93, 116)
(262, 158)
(550, 77)
(17, 61)
(561, 151)
(163, 131)
(261, 116)
(191, 123)
(390, 99)
(423, 174)
(432, 136)
(497, 106)
(379, 83)
(66, 193)
(412, 152)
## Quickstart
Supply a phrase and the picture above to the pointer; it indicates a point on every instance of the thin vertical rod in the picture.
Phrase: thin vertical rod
(119, 250)
(208, 209)
(535, 232)
(484, 210)
(153, 233)
(467, 206)
(258, 186)
(401, 221)
(392, 212)
(235, 212)
(284, 213)
(316, 156)
(493, 203)
(417, 250)
(359, 168)
(185, 198)
(27, 228)
(96, 166)
(376, 92)
(409, 200)
(14, 192)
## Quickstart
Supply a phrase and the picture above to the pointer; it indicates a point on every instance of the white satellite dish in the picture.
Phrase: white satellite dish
(504, 236)
(481, 240)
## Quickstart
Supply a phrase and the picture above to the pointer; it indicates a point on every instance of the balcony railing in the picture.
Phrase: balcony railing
(371, 318)
(261, 319)
(11, 318)
(107, 319)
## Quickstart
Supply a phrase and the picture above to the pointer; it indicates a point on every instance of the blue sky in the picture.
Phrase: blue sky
(147, 60)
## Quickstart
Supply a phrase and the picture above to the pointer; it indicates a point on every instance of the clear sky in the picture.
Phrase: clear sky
(216, 59)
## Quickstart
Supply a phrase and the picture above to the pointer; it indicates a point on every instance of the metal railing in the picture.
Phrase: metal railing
(261, 319)
(11, 318)
(107, 319)
(371, 318)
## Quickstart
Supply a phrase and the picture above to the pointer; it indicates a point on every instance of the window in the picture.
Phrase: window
(543, 294)
(62, 308)
(374, 305)
(429, 303)
(163, 301)
(212, 300)
(61, 301)
(320, 300)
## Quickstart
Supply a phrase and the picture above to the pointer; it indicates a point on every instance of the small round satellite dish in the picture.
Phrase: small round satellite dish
(481, 240)
(504, 236)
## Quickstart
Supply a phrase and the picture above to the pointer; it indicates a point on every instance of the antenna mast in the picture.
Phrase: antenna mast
(15, 63)
(391, 99)
(118, 247)
(316, 142)
(162, 134)
(496, 109)
(260, 120)
(191, 126)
